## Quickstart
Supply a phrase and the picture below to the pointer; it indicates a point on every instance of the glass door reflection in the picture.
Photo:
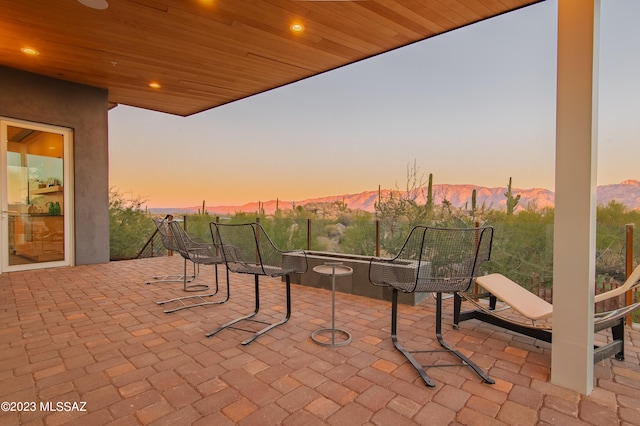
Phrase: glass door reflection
(35, 196)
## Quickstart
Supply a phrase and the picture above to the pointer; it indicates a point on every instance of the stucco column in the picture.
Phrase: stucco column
(575, 207)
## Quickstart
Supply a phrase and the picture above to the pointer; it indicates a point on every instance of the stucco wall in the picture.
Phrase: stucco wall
(83, 109)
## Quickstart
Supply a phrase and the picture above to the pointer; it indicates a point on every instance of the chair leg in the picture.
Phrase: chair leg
(249, 317)
(231, 324)
(409, 354)
(194, 287)
(394, 337)
(282, 321)
(198, 299)
(174, 278)
(617, 333)
(448, 348)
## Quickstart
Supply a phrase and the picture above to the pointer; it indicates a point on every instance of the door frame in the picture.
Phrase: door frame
(68, 218)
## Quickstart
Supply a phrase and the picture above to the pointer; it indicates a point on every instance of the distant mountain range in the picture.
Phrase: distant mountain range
(626, 193)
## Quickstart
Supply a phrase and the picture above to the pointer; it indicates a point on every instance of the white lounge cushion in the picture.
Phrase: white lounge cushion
(519, 298)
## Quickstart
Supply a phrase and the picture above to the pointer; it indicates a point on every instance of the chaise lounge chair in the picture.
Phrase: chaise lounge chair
(533, 310)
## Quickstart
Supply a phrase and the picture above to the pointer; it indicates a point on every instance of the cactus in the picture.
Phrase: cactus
(430, 193)
(474, 194)
(512, 201)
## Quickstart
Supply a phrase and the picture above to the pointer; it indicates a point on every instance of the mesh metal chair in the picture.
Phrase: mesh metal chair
(433, 260)
(247, 249)
(198, 252)
(162, 228)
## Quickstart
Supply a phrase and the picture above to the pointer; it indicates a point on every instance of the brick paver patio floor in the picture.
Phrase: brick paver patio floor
(92, 338)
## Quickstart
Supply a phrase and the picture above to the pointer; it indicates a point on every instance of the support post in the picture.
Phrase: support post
(575, 204)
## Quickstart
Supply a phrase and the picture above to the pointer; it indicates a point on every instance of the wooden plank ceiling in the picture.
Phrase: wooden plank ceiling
(206, 53)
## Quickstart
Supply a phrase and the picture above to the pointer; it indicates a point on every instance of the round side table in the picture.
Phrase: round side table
(333, 269)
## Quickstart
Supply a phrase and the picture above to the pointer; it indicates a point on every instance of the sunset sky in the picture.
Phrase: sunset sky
(473, 106)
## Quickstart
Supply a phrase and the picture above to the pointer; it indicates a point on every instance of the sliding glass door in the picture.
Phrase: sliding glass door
(35, 196)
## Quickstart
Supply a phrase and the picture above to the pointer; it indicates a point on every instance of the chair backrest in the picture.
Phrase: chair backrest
(165, 233)
(247, 248)
(435, 260)
(195, 249)
(180, 238)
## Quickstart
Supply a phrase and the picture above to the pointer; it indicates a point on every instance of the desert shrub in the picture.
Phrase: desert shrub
(129, 226)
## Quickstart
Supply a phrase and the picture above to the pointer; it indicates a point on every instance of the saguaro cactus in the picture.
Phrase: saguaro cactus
(430, 194)
(512, 201)
(473, 202)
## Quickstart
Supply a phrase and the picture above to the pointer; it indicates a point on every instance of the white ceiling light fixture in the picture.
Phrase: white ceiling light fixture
(95, 4)
(297, 27)
(30, 51)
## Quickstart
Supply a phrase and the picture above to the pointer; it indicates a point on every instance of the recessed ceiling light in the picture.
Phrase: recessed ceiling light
(154, 85)
(95, 4)
(297, 28)
(29, 51)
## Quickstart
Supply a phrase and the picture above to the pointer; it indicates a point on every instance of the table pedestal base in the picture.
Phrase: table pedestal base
(332, 269)
(321, 338)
